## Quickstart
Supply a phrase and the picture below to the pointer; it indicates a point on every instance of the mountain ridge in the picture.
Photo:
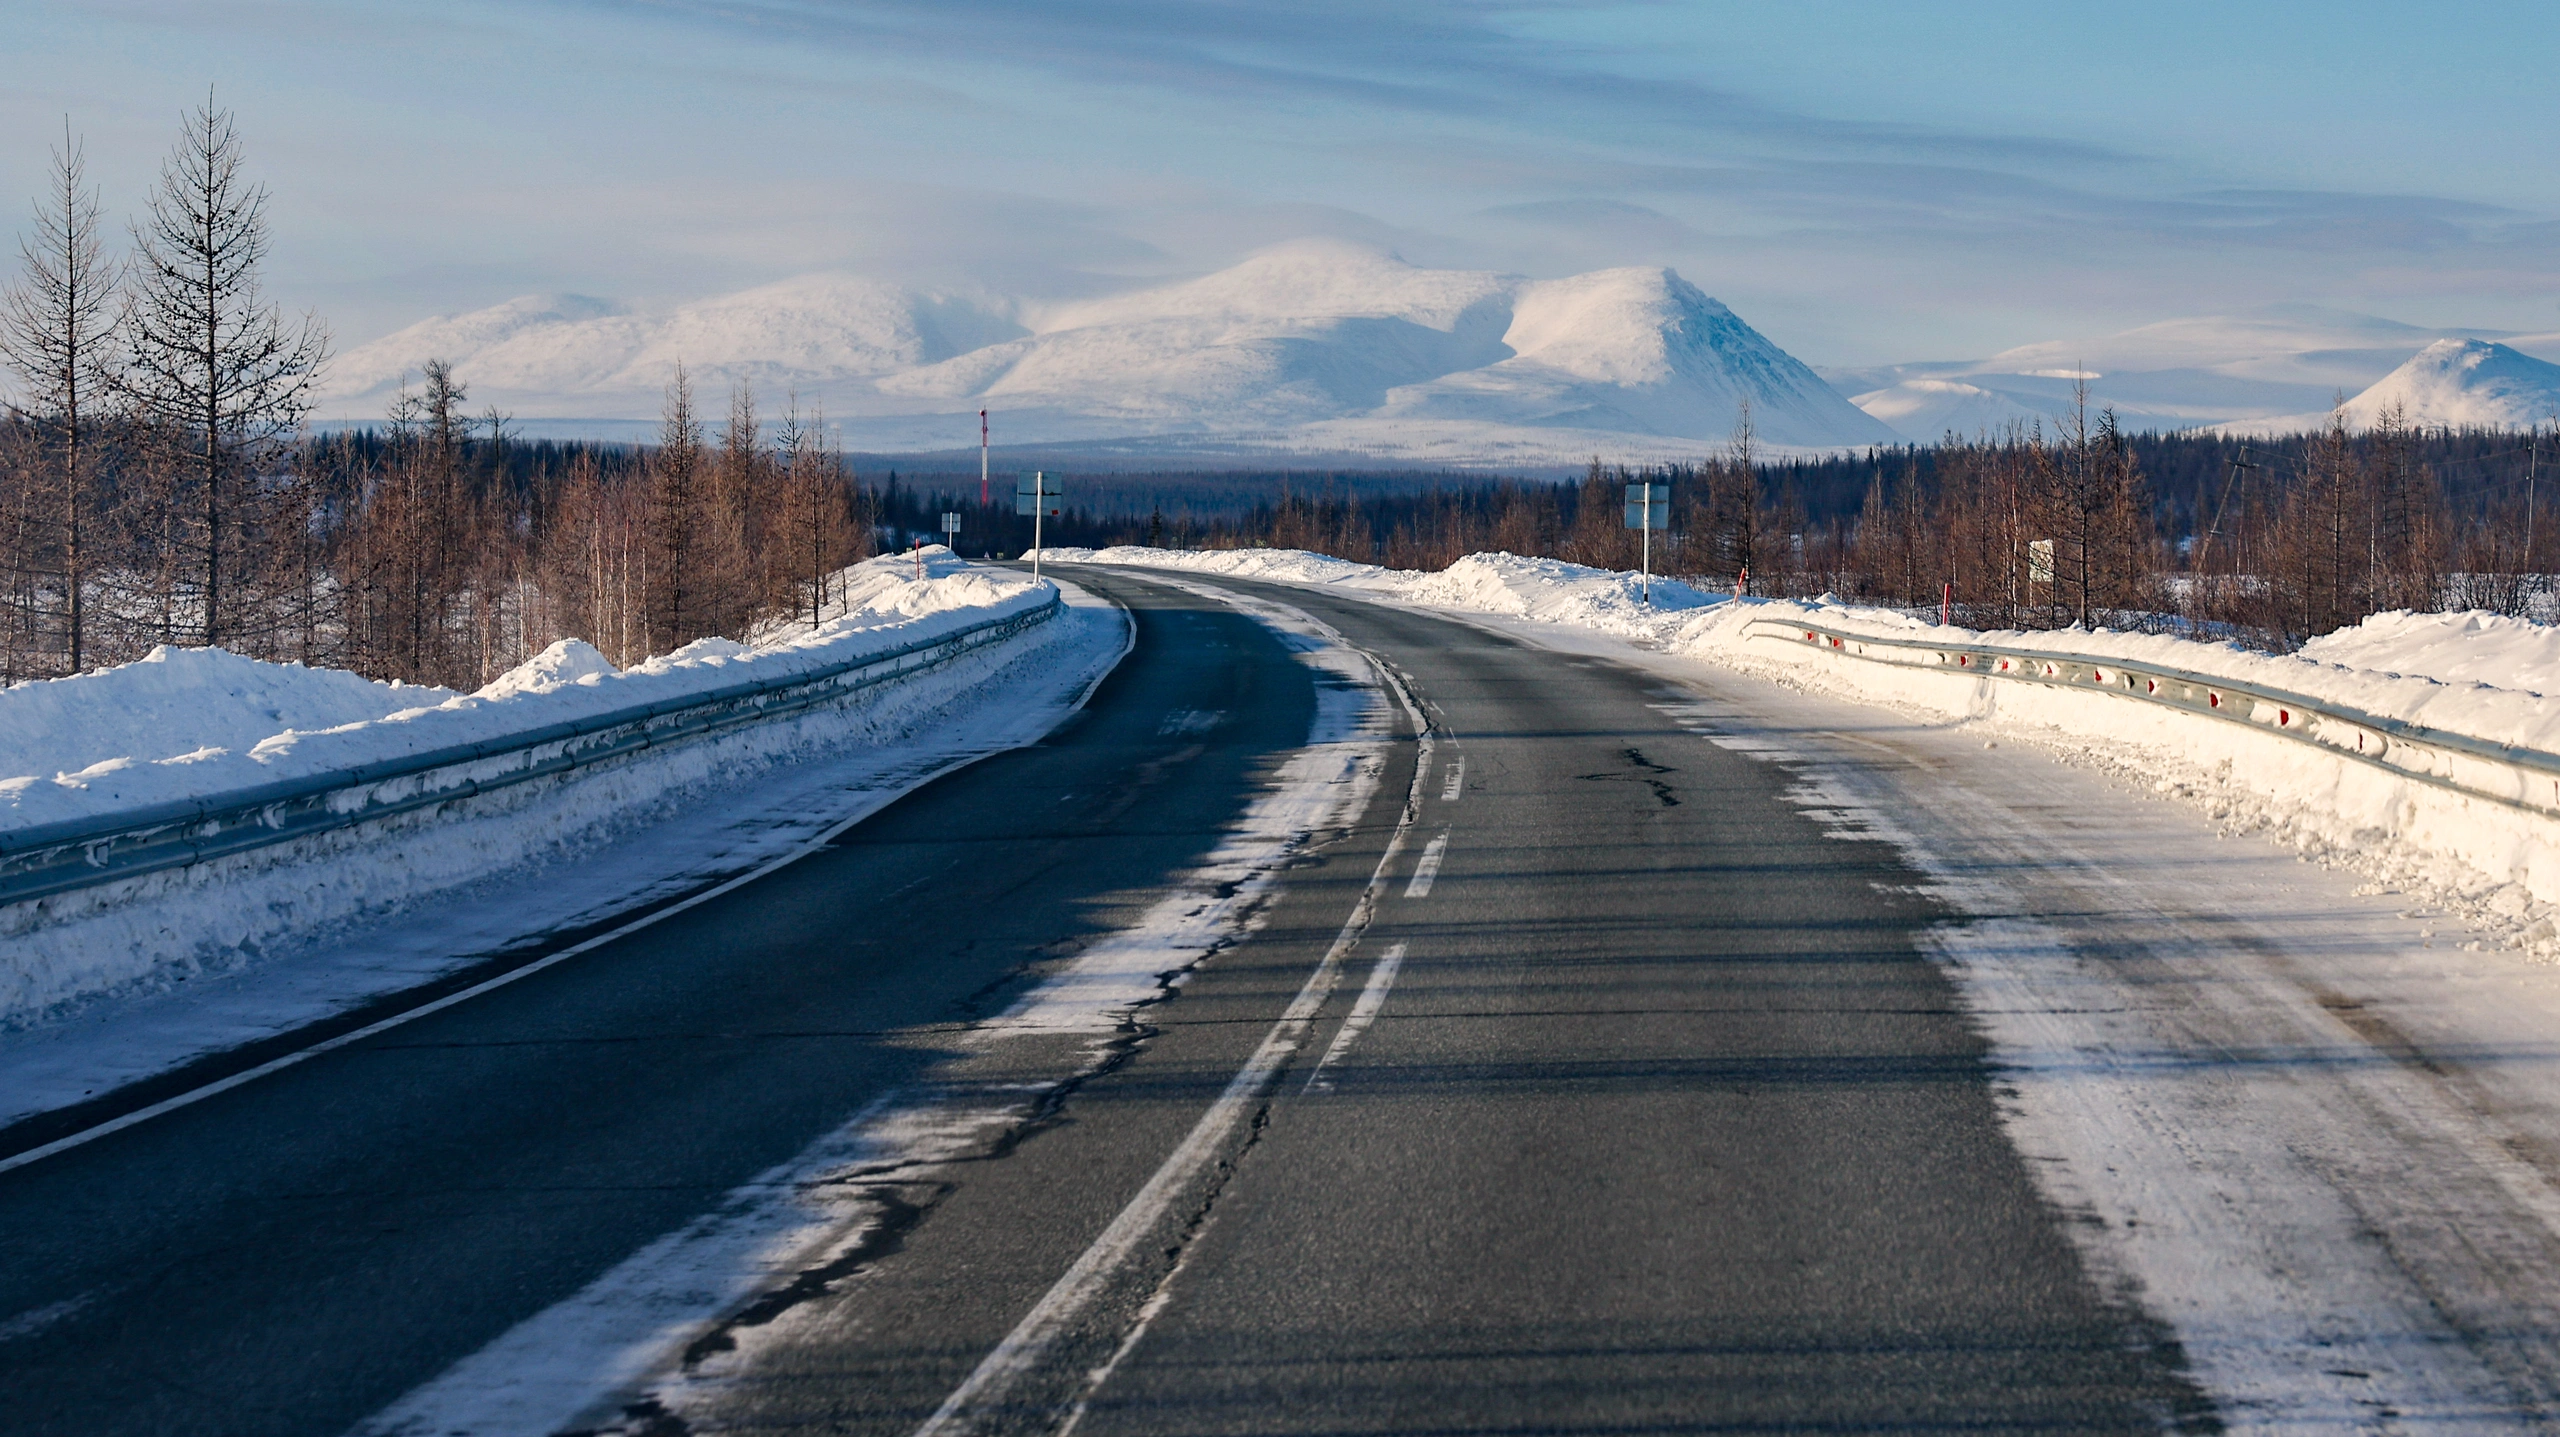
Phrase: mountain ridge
(1357, 348)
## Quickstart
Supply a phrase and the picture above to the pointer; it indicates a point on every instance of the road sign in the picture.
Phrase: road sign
(1037, 495)
(950, 525)
(1649, 506)
(1648, 509)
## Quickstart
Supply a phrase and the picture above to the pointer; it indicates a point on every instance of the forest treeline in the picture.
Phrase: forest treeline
(2268, 541)
(159, 484)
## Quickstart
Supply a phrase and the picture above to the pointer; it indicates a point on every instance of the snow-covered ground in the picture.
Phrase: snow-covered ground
(2294, 1078)
(110, 984)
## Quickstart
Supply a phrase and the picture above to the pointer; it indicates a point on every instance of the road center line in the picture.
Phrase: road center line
(982, 1394)
(1373, 997)
(1428, 869)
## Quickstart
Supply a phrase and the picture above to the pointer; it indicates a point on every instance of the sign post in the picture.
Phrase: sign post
(951, 530)
(1648, 509)
(1037, 495)
(2039, 566)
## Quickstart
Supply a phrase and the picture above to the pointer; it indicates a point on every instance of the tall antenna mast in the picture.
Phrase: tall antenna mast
(982, 456)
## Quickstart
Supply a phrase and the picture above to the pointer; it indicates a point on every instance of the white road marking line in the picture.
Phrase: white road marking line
(35, 1320)
(1457, 784)
(982, 1394)
(1364, 1012)
(817, 844)
(1429, 868)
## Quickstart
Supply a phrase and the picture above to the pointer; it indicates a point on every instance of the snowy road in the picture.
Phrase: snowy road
(1642, 1048)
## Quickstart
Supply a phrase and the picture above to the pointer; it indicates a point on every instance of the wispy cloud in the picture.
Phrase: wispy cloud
(444, 154)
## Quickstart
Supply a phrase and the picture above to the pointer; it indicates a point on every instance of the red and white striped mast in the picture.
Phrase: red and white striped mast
(982, 457)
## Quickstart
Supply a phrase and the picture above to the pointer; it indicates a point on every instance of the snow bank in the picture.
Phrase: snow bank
(2476, 675)
(1546, 590)
(2467, 648)
(243, 726)
(196, 723)
(2473, 674)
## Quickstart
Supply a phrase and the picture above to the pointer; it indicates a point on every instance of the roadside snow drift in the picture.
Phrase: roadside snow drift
(200, 724)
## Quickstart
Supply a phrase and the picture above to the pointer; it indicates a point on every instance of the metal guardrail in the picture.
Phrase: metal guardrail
(2523, 778)
(46, 859)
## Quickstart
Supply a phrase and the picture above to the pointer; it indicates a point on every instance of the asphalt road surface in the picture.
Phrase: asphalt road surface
(1636, 1109)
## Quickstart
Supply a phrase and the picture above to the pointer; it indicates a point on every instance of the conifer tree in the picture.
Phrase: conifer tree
(675, 522)
(56, 332)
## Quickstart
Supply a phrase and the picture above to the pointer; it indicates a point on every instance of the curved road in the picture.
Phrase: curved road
(1636, 1108)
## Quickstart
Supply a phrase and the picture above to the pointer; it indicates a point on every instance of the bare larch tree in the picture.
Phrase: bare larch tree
(56, 330)
(209, 363)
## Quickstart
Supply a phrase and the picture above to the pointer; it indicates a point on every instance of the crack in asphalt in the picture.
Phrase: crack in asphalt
(1635, 759)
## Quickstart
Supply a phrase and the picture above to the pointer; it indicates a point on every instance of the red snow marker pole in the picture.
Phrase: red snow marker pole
(919, 561)
(1947, 603)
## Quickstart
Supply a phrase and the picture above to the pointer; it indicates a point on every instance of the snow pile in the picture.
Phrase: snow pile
(243, 724)
(1547, 590)
(1287, 566)
(169, 720)
(197, 723)
(2466, 648)
(567, 661)
(1554, 592)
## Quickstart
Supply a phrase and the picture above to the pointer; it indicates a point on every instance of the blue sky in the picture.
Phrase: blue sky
(1865, 182)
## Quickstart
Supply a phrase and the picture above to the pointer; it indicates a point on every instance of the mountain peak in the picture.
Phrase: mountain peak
(2464, 383)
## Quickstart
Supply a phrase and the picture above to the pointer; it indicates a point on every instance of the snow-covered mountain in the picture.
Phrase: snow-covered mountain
(2450, 384)
(1316, 346)
(570, 356)
(2266, 367)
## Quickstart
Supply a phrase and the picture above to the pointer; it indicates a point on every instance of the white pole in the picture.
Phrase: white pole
(1039, 506)
(1648, 544)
